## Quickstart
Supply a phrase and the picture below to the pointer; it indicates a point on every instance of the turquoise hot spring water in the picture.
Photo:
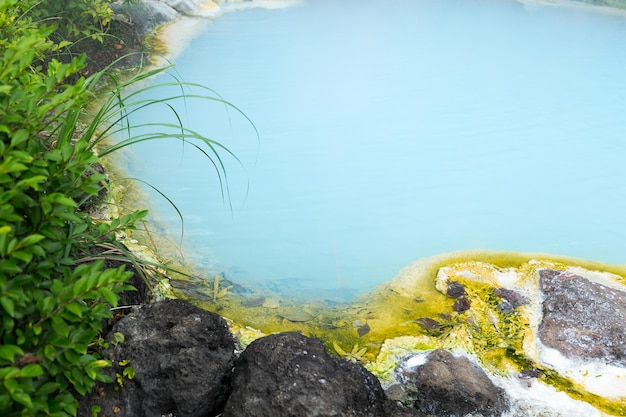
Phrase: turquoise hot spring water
(392, 131)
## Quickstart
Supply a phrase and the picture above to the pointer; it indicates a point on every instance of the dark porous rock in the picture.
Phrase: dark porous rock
(446, 385)
(582, 318)
(182, 357)
(397, 409)
(288, 374)
(140, 295)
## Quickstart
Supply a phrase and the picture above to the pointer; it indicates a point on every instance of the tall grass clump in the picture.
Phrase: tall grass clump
(113, 119)
(54, 295)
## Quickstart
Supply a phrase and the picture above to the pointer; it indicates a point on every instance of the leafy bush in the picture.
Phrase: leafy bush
(72, 19)
(54, 294)
(51, 305)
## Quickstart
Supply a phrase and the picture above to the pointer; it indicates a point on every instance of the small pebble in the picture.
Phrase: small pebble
(513, 297)
(363, 330)
(455, 289)
(461, 304)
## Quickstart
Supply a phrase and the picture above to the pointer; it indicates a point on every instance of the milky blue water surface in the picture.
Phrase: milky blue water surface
(391, 131)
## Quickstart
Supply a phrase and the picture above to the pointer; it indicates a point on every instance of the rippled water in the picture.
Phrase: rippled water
(391, 131)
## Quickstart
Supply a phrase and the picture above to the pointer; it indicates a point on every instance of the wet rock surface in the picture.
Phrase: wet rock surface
(147, 15)
(446, 385)
(582, 318)
(144, 16)
(185, 365)
(181, 355)
(186, 7)
(288, 374)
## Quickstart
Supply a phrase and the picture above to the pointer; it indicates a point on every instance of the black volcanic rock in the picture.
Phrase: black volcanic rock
(181, 355)
(288, 374)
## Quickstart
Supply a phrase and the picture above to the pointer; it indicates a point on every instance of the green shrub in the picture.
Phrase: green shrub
(72, 20)
(54, 293)
(51, 305)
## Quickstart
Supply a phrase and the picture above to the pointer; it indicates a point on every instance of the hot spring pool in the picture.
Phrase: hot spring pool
(392, 131)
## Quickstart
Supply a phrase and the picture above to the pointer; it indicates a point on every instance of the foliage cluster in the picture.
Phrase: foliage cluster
(71, 20)
(54, 294)
(51, 305)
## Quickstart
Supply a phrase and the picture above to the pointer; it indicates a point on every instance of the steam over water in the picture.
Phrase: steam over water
(395, 130)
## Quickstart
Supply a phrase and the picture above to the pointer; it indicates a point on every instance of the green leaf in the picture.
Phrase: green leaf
(9, 352)
(92, 373)
(32, 370)
(11, 385)
(19, 136)
(109, 295)
(5, 400)
(33, 182)
(22, 398)
(5, 197)
(23, 256)
(53, 155)
(60, 327)
(9, 266)
(47, 388)
(361, 352)
(21, 339)
(50, 352)
(7, 323)
(79, 287)
(71, 356)
(104, 378)
(47, 305)
(8, 305)
(75, 309)
(81, 348)
(339, 350)
(31, 239)
(9, 372)
(129, 372)
(100, 363)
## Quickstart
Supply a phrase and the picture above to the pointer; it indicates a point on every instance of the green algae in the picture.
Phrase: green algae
(610, 406)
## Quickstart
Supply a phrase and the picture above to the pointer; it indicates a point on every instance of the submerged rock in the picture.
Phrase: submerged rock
(288, 374)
